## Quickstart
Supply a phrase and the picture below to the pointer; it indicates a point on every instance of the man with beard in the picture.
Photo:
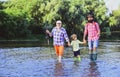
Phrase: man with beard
(93, 31)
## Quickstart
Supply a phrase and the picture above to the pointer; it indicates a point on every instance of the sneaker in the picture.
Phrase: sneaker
(94, 57)
(79, 59)
(91, 57)
(75, 59)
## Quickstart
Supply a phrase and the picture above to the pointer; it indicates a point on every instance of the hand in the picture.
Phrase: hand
(84, 42)
(47, 31)
(68, 43)
(98, 34)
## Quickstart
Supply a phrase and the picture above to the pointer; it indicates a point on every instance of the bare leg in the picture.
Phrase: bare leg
(94, 53)
(59, 58)
(94, 50)
(91, 54)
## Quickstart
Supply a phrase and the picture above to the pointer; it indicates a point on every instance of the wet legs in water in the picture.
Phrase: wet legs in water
(93, 54)
(77, 58)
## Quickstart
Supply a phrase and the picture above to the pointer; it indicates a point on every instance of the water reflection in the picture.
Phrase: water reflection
(76, 64)
(59, 70)
(93, 70)
(2, 58)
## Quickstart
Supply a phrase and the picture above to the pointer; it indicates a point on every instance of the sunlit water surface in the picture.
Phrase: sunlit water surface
(41, 62)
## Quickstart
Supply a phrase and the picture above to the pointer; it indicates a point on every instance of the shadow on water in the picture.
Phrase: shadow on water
(59, 70)
(93, 70)
(41, 62)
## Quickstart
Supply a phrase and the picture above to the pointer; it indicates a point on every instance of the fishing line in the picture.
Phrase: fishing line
(48, 40)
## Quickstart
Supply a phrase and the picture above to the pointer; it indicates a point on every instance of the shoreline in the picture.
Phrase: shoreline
(46, 40)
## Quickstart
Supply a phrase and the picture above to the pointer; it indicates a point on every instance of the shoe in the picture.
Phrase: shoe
(79, 59)
(75, 59)
(94, 57)
(91, 57)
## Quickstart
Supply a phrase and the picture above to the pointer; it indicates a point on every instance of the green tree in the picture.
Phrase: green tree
(15, 20)
(116, 16)
(39, 13)
(73, 12)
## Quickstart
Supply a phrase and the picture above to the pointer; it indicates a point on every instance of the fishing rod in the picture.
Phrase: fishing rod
(48, 40)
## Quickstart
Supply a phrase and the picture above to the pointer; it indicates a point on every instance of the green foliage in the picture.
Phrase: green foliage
(13, 27)
(112, 21)
(116, 17)
(21, 17)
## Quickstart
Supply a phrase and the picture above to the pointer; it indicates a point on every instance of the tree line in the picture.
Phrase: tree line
(24, 18)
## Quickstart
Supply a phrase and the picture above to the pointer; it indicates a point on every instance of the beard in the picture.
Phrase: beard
(90, 21)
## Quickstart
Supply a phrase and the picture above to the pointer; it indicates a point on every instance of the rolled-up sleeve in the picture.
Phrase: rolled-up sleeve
(66, 36)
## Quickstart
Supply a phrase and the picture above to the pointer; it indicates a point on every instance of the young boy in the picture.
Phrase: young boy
(75, 45)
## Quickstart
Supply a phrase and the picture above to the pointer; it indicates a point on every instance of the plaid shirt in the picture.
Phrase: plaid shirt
(92, 30)
(59, 37)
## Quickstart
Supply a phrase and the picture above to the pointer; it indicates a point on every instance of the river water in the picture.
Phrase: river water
(41, 62)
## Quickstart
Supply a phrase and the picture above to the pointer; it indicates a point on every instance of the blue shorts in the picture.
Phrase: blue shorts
(93, 44)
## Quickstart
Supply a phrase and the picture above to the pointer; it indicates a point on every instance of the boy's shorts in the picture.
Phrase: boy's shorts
(93, 44)
(76, 53)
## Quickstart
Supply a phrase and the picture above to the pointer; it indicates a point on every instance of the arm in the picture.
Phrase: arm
(66, 37)
(85, 32)
(84, 42)
(81, 42)
(48, 32)
(98, 29)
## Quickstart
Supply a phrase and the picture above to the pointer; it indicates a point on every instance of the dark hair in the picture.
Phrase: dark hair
(90, 15)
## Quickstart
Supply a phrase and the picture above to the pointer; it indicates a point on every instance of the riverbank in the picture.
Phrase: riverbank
(34, 43)
(47, 39)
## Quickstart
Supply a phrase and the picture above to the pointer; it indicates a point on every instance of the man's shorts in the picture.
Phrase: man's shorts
(59, 50)
(93, 44)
